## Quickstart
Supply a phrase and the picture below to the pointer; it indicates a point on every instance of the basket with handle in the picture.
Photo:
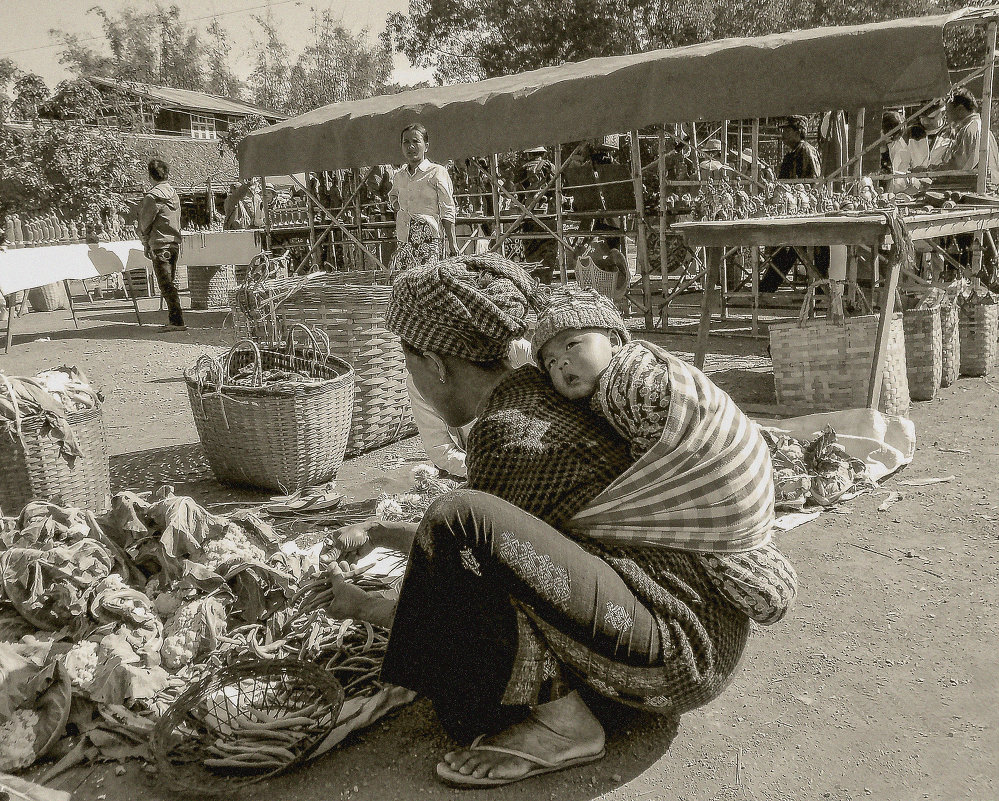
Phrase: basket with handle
(979, 328)
(923, 351)
(51, 297)
(824, 364)
(285, 435)
(589, 276)
(33, 467)
(211, 286)
(352, 308)
(950, 339)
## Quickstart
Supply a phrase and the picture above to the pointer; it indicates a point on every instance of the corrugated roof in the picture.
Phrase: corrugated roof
(788, 73)
(186, 99)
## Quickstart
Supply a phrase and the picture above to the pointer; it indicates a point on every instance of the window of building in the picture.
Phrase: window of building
(202, 127)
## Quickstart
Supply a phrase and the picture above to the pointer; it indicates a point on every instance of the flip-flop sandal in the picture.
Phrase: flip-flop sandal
(321, 502)
(453, 777)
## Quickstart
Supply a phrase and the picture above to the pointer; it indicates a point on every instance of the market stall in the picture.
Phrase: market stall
(896, 62)
(27, 268)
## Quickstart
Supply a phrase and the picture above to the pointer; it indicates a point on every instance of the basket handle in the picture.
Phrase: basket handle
(258, 371)
(289, 342)
(17, 410)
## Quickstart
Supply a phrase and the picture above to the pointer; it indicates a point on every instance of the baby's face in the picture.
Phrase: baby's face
(575, 359)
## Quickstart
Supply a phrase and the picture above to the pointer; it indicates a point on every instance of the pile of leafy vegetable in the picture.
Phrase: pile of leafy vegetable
(817, 472)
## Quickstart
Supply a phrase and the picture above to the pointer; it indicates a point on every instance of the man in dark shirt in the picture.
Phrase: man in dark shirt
(800, 161)
(159, 230)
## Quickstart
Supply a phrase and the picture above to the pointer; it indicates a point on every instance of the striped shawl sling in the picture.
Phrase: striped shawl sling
(704, 484)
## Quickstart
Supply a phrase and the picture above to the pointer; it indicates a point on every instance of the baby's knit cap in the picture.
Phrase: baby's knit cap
(576, 308)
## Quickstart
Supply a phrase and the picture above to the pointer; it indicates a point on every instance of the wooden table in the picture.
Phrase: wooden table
(849, 229)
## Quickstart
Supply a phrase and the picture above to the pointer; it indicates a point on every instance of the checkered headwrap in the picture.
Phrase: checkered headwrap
(576, 309)
(471, 307)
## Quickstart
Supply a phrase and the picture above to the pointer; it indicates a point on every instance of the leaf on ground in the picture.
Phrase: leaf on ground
(891, 500)
(925, 482)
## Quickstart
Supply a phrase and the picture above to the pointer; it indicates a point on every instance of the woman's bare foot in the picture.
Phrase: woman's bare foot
(555, 735)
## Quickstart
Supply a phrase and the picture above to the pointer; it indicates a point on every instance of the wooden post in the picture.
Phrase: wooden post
(362, 252)
(559, 219)
(494, 181)
(984, 140)
(663, 269)
(693, 145)
(724, 138)
(881, 343)
(754, 261)
(641, 231)
(267, 213)
(72, 308)
(310, 212)
(858, 140)
(714, 256)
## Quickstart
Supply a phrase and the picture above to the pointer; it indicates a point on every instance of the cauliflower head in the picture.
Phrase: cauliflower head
(17, 740)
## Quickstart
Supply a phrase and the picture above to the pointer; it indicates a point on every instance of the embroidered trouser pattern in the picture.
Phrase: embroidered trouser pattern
(499, 611)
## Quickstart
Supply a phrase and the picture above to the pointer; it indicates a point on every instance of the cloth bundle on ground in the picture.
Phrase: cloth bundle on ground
(52, 393)
(702, 481)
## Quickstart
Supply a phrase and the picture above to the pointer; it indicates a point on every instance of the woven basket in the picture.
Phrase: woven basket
(33, 468)
(979, 327)
(589, 276)
(211, 286)
(950, 337)
(923, 352)
(352, 308)
(136, 283)
(50, 297)
(823, 365)
(284, 436)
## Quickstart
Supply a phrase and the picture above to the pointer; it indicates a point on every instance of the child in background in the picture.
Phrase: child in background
(698, 457)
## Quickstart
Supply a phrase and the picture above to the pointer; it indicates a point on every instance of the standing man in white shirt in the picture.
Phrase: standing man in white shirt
(423, 198)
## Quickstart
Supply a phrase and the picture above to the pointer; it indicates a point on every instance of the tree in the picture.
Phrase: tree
(337, 66)
(8, 74)
(78, 171)
(474, 39)
(30, 92)
(219, 77)
(154, 47)
(269, 80)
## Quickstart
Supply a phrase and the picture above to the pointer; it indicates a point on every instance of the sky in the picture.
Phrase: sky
(26, 25)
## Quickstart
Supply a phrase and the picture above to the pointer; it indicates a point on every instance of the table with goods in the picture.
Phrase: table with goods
(902, 333)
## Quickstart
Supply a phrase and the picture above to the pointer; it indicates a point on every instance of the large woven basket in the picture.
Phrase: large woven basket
(284, 436)
(923, 352)
(352, 308)
(824, 364)
(211, 286)
(979, 326)
(50, 297)
(950, 337)
(32, 467)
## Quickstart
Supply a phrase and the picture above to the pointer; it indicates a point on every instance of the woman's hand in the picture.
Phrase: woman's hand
(360, 539)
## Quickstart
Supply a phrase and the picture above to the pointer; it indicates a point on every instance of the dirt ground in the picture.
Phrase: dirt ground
(882, 683)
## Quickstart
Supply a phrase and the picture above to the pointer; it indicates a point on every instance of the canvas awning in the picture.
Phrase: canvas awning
(902, 61)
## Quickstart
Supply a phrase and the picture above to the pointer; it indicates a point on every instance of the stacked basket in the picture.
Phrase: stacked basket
(950, 337)
(979, 327)
(923, 351)
(211, 286)
(286, 435)
(34, 467)
(824, 364)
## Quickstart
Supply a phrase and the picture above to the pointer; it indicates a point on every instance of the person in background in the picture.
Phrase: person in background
(423, 198)
(962, 112)
(896, 158)
(679, 164)
(238, 207)
(534, 174)
(159, 231)
(930, 140)
(712, 167)
(800, 161)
